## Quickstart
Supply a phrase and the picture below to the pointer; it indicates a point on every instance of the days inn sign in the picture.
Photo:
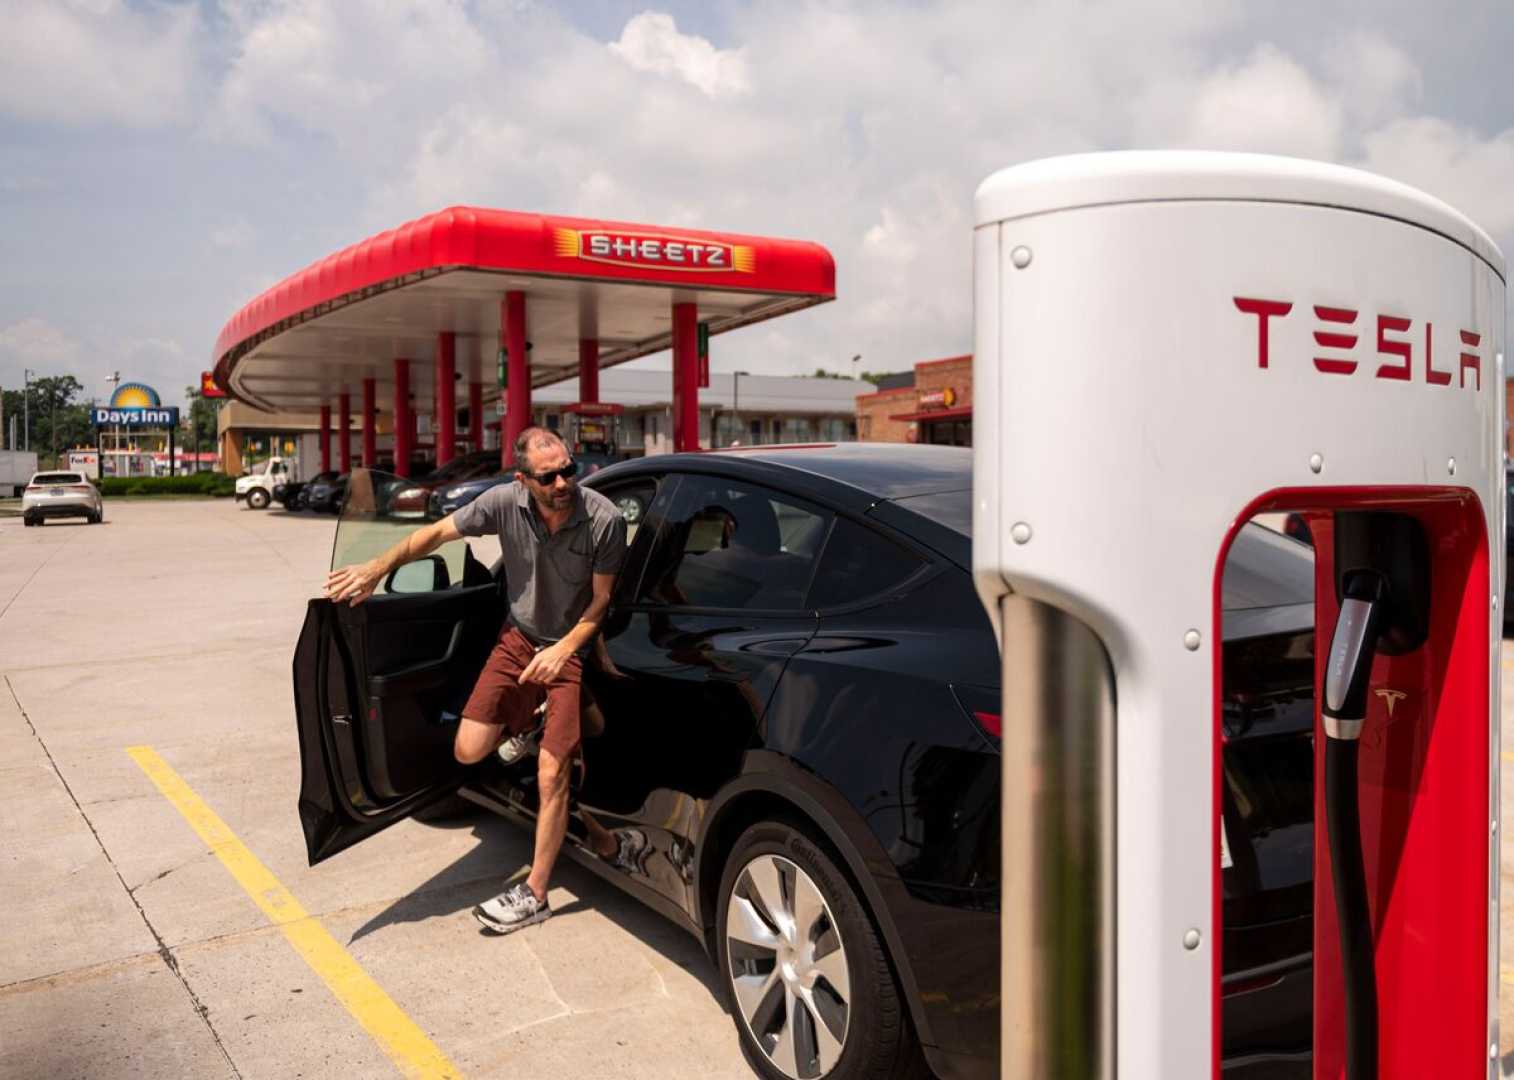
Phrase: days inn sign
(135, 405)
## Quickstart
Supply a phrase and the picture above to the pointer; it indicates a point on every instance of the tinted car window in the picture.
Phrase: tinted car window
(858, 563)
(58, 478)
(732, 545)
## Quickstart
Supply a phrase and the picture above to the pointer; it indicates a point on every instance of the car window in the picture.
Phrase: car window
(728, 544)
(367, 528)
(632, 499)
(859, 563)
(58, 478)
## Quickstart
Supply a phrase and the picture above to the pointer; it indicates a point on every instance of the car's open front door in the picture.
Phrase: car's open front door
(379, 687)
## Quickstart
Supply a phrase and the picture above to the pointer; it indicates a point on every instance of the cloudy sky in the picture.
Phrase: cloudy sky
(163, 162)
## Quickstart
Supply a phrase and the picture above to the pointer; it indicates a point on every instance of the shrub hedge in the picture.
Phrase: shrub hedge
(203, 483)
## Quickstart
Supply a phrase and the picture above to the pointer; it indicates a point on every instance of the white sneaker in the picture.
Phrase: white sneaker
(512, 909)
(529, 742)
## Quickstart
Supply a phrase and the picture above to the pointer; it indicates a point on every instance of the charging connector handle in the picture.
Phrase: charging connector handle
(1352, 650)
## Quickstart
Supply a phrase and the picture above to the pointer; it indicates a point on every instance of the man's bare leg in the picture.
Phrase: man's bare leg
(476, 740)
(551, 818)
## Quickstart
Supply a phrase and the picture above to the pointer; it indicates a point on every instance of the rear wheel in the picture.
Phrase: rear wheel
(810, 987)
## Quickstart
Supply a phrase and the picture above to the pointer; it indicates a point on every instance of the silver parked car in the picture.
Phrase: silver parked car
(61, 494)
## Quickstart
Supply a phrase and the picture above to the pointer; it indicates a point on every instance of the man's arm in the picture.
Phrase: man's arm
(545, 665)
(356, 583)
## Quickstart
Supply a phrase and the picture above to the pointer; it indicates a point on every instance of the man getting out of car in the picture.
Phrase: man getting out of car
(562, 547)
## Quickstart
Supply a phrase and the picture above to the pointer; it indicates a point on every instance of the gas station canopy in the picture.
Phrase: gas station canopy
(349, 316)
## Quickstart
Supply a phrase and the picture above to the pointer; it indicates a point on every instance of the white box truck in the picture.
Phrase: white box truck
(16, 470)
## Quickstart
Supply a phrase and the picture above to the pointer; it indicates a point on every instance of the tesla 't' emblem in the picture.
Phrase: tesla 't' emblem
(1390, 698)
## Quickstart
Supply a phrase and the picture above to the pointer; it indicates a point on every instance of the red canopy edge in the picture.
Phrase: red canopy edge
(471, 238)
(963, 412)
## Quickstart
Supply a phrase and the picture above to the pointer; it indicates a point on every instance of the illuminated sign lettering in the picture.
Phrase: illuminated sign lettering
(654, 250)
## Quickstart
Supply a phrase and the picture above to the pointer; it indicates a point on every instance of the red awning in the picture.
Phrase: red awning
(964, 412)
(348, 316)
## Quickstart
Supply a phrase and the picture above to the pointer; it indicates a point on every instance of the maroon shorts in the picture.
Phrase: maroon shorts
(499, 697)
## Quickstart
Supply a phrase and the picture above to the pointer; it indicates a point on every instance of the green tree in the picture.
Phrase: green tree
(59, 421)
(198, 426)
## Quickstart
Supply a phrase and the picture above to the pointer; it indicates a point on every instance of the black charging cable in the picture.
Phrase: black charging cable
(1352, 650)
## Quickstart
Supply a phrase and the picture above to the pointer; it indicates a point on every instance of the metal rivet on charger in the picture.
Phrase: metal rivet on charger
(1019, 532)
(1021, 257)
(1191, 640)
(1316, 463)
(1191, 940)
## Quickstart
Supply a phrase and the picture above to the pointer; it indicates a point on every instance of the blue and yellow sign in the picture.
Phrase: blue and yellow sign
(136, 405)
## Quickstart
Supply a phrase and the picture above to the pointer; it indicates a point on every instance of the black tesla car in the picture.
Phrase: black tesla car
(802, 733)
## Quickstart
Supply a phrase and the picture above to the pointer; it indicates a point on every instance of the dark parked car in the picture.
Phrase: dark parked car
(287, 494)
(803, 732)
(324, 492)
(411, 499)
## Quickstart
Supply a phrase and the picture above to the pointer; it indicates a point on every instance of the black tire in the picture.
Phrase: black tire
(257, 499)
(878, 1041)
(31, 521)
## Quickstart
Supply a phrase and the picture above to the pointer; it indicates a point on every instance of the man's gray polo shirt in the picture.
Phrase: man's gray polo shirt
(549, 576)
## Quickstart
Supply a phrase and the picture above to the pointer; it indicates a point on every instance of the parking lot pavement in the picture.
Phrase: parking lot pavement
(130, 949)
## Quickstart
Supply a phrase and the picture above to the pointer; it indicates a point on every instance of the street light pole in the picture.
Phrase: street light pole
(26, 403)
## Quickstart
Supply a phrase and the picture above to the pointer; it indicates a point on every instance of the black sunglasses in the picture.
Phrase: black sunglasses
(567, 472)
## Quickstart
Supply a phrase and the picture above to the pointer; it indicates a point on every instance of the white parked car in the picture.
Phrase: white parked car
(61, 494)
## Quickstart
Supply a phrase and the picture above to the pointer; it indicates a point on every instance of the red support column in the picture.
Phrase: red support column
(588, 369)
(476, 414)
(325, 438)
(512, 316)
(344, 426)
(445, 413)
(685, 377)
(403, 417)
(370, 422)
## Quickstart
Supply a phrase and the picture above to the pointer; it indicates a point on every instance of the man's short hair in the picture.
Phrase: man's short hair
(534, 436)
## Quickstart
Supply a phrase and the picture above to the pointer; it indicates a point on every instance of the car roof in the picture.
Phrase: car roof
(884, 470)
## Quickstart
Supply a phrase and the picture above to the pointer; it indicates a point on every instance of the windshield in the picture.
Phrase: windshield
(367, 528)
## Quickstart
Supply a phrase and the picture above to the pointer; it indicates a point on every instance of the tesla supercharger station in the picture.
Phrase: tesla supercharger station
(1168, 344)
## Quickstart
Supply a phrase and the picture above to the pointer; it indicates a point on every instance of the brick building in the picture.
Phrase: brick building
(932, 404)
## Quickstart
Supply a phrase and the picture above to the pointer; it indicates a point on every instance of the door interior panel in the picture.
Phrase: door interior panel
(424, 653)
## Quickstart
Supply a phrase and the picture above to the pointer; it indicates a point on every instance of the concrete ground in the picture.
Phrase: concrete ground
(130, 950)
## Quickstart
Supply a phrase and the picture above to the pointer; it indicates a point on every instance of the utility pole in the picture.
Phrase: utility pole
(26, 402)
(114, 378)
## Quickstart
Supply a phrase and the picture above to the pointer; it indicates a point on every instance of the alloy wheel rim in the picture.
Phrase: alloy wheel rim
(788, 968)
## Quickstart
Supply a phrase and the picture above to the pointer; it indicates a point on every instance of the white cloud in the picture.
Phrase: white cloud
(651, 42)
(1269, 104)
(1472, 173)
(1377, 79)
(104, 61)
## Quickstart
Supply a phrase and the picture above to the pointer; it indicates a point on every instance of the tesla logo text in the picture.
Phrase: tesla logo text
(1390, 698)
(1339, 331)
(653, 249)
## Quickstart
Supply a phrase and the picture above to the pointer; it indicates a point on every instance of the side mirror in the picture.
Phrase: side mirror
(423, 575)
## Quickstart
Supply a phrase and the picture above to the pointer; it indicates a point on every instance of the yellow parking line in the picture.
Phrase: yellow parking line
(398, 1036)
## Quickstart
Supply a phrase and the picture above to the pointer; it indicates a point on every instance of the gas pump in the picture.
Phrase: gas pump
(593, 428)
(1169, 347)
